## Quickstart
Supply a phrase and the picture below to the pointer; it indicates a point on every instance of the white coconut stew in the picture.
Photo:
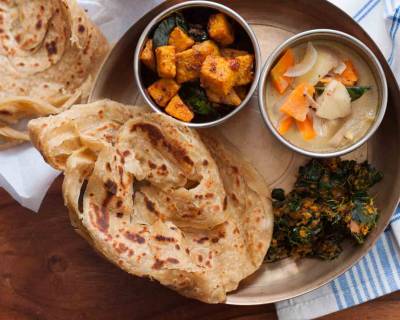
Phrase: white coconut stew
(321, 96)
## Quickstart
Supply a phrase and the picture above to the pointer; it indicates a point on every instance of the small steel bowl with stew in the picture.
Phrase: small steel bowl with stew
(323, 93)
(198, 62)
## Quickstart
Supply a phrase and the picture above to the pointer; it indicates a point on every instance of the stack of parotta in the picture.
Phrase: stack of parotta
(149, 194)
(49, 53)
(156, 199)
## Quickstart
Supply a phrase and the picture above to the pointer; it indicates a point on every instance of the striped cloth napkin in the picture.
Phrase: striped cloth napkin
(378, 273)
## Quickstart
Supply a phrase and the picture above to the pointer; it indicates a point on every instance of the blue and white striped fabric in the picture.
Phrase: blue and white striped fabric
(378, 273)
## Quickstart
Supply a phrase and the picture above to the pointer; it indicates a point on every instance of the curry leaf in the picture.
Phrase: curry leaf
(195, 96)
(181, 22)
(357, 92)
(354, 92)
(161, 33)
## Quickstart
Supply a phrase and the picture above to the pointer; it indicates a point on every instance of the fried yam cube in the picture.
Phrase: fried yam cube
(163, 90)
(180, 40)
(220, 29)
(207, 48)
(166, 66)
(188, 62)
(217, 75)
(232, 98)
(232, 53)
(179, 110)
(147, 56)
(242, 66)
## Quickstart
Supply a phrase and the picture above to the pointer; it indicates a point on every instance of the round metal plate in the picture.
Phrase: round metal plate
(273, 22)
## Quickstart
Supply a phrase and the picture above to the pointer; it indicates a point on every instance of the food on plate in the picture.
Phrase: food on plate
(91, 126)
(163, 90)
(278, 78)
(321, 96)
(179, 110)
(165, 57)
(207, 51)
(180, 40)
(157, 199)
(220, 29)
(330, 202)
(147, 55)
(216, 74)
(49, 54)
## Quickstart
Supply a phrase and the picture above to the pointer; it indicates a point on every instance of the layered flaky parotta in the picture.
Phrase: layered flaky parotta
(49, 54)
(157, 201)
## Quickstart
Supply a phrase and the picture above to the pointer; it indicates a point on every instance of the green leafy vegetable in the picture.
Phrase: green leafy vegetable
(329, 203)
(194, 96)
(197, 32)
(354, 92)
(278, 194)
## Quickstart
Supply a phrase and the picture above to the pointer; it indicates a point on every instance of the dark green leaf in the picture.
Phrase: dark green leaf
(198, 32)
(361, 215)
(319, 90)
(195, 97)
(294, 204)
(357, 92)
(181, 22)
(281, 223)
(300, 235)
(163, 30)
(354, 92)
(278, 194)
(312, 172)
(161, 33)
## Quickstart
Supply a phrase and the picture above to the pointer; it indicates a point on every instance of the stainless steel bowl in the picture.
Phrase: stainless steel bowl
(352, 43)
(192, 4)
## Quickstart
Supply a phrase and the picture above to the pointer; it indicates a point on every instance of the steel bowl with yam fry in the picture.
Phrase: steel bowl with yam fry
(198, 62)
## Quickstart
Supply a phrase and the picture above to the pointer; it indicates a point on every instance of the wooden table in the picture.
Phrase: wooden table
(47, 271)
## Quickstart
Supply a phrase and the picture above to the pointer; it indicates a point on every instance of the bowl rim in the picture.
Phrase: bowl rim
(334, 35)
(233, 15)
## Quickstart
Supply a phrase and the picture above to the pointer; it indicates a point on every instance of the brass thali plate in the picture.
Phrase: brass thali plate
(273, 22)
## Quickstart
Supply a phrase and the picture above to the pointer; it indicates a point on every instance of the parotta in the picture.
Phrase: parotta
(49, 53)
(155, 200)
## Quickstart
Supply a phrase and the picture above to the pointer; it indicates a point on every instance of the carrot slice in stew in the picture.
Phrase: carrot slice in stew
(349, 75)
(297, 104)
(285, 124)
(280, 81)
(306, 128)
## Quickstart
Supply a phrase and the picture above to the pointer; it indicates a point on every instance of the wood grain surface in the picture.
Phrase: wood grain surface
(49, 272)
